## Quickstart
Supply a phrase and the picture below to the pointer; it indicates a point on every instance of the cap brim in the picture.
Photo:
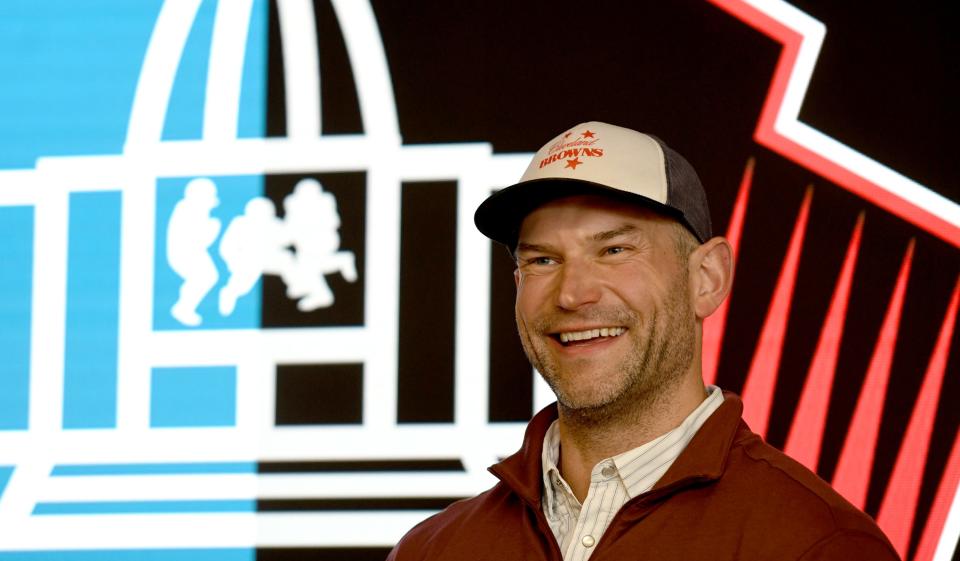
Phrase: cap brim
(500, 216)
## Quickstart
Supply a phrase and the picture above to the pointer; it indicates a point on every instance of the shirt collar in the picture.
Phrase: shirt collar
(638, 468)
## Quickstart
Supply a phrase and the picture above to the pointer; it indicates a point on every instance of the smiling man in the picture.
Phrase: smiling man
(617, 268)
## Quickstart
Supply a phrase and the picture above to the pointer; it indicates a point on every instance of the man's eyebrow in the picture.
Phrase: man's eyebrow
(523, 246)
(612, 234)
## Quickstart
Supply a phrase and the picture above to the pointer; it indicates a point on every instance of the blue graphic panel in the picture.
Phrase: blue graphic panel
(16, 256)
(236, 554)
(93, 311)
(202, 396)
(193, 468)
(204, 273)
(253, 92)
(185, 109)
(147, 507)
(69, 72)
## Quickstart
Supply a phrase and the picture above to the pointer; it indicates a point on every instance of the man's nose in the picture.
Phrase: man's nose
(579, 285)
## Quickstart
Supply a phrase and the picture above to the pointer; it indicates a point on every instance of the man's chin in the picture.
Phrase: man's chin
(584, 399)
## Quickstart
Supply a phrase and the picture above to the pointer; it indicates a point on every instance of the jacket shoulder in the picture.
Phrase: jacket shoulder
(471, 529)
(774, 484)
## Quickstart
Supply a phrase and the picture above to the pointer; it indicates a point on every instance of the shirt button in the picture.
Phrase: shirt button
(608, 471)
(588, 541)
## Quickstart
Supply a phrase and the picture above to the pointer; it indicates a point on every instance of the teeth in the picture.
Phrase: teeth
(568, 336)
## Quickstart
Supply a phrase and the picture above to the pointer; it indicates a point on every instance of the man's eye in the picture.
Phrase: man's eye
(539, 261)
(614, 250)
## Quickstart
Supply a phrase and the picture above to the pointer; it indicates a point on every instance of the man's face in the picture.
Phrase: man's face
(603, 305)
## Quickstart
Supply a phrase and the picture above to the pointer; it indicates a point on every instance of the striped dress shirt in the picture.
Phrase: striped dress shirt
(613, 481)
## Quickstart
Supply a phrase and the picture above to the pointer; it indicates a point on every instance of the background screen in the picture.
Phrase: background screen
(245, 314)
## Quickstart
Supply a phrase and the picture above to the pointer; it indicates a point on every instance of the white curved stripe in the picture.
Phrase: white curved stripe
(875, 172)
(370, 69)
(225, 71)
(788, 125)
(301, 67)
(160, 63)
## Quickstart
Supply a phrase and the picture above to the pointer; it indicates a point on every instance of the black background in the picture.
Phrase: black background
(515, 74)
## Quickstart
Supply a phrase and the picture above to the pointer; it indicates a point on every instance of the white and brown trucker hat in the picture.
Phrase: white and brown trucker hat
(599, 158)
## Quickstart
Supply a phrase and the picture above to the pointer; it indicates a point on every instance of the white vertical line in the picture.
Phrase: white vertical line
(48, 322)
(137, 229)
(149, 109)
(382, 291)
(472, 342)
(256, 389)
(225, 71)
(370, 69)
(301, 67)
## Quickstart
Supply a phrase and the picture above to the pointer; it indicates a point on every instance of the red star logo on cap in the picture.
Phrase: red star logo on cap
(588, 134)
(573, 163)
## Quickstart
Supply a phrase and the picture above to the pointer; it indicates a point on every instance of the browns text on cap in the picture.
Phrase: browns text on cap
(599, 158)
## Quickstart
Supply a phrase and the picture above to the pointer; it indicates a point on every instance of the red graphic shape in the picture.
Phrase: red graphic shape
(898, 510)
(573, 163)
(588, 134)
(941, 506)
(715, 325)
(856, 460)
(762, 378)
(767, 135)
(809, 422)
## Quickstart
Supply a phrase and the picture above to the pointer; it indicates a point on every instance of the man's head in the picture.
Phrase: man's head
(612, 284)
(598, 158)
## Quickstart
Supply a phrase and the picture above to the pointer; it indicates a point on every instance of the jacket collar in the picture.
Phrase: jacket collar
(704, 458)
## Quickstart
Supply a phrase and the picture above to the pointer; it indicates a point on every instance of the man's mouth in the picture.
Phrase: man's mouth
(570, 337)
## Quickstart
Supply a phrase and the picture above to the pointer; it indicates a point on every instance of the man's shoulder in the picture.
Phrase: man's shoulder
(769, 483)
(466, 525)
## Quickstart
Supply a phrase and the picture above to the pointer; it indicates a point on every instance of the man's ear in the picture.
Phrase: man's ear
(711, 271)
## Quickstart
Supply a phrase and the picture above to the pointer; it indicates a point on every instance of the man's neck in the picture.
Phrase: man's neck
(587, 439)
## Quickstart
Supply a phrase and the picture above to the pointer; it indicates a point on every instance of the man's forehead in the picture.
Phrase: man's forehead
(607, 215)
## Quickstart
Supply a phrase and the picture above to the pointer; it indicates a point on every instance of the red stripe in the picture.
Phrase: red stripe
(856, 460)
(942, 503)
(715, 325)
(899, 506)
(762, 378)
(806, 432)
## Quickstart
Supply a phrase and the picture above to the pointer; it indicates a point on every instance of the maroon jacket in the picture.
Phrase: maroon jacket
(728, 496)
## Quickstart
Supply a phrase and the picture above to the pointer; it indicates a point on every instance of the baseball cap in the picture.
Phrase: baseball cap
(599, 158)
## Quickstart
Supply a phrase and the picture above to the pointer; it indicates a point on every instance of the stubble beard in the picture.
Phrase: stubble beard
(662, 347)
